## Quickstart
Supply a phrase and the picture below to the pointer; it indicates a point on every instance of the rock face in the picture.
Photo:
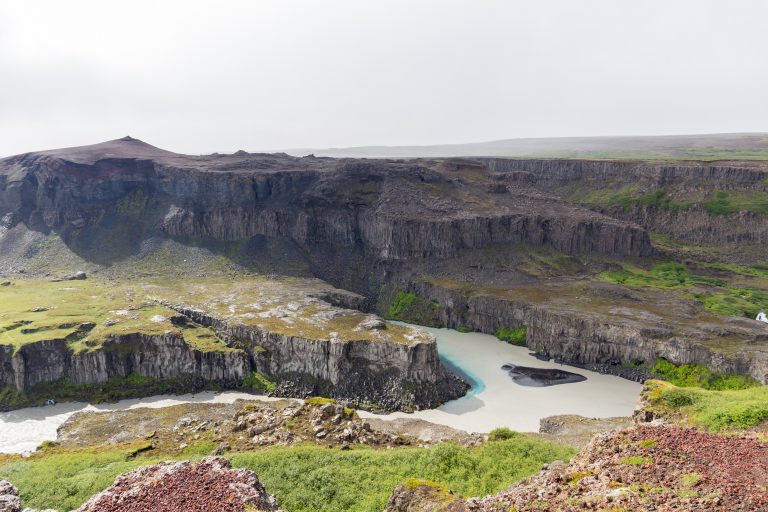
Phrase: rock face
(389, 209)
(363, 225)
(215, 333)
(586, 329)
(391, 375)
(686, 182)
(161, 357)
(210, 484)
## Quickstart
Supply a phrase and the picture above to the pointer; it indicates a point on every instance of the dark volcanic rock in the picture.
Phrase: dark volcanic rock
(388, 209)
(541, 377)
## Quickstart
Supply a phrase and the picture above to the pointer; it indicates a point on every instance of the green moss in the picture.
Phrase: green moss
(697, 375)
(319, 400)
(636, 461)
(628, 196)
(690, 479)
(462, 328)
(724, 203)
(513, 335)
(412, 308)
(721, 295)
(259, 382)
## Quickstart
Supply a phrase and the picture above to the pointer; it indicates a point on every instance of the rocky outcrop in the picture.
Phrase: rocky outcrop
(9, 497)
(645, 468)
(161, 357)
(210, 484)
(359, 371)
(689, 183)
(571, 329)
(424, 496)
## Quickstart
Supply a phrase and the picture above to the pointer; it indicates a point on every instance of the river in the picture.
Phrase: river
(494, 400)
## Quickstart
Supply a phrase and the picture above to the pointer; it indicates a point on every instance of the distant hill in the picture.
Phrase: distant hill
(719, 146)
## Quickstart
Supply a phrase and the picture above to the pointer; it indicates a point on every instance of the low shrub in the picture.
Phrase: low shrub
(513, 335)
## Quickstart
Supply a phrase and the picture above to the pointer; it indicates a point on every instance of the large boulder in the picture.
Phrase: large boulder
(204, 486)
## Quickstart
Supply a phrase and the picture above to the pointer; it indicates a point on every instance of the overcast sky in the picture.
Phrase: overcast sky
(198, 77)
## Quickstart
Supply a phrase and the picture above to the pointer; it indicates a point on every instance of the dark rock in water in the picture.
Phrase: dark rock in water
(541, 377)
(540, 356)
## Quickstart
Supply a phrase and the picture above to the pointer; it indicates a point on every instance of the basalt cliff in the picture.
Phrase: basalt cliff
(607, 264)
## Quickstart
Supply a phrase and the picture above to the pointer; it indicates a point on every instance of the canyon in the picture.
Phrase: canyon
(480, 244)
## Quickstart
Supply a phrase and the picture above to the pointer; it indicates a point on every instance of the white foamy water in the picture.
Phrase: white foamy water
(24, 429)
(496, 401)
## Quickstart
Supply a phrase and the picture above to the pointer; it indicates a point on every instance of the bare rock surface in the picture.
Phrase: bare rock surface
(204, 486)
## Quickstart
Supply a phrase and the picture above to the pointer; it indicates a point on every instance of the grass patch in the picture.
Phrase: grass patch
(628, 196)
(259, 382)
(303, 478)
(412, 308)
(636, 461)
(64, 481)
(710, 409)
(724, 203)
(513, 335)
(314, 479)
(716, 293)
(697, 375)
(690, 479)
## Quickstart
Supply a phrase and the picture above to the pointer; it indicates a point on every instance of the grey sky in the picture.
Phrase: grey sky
(197, 77)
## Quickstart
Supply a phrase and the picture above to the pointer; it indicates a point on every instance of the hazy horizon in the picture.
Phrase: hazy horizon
(198, 77)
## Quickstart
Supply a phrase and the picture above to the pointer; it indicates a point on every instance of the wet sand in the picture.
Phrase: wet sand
(497, 401)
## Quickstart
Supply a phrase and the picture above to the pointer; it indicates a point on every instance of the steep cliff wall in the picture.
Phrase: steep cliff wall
(586, 335)
(391, 210)
(390, 375)
(160, 357)
(688, 185)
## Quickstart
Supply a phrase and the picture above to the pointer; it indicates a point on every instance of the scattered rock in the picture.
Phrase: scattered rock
(9, 497)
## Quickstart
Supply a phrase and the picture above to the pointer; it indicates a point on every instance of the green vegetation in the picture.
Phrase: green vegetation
(88, 313)
(462, 328)
(718, 294)
(690, 479)
(628, 196)
(303, 478)
(259, 382)
(710, 409)
(502, 434)
(724, 203)
(648, 443)
(636, 461)
(697, 375)
(513, 335)
(410, 307)
(314, 479)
